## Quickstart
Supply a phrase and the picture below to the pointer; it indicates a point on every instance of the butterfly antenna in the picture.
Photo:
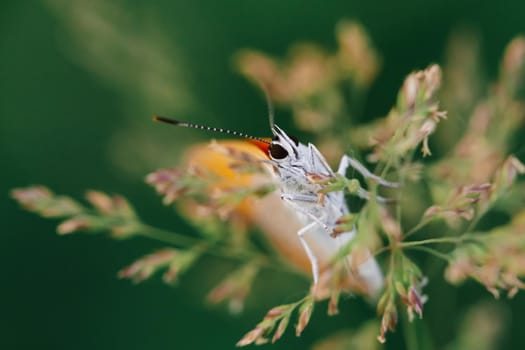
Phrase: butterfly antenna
(271, 112)
(207, 128)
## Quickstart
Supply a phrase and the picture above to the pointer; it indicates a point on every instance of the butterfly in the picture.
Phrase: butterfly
(295, 219)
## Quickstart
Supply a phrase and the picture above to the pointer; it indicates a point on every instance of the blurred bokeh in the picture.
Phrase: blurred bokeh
(79, 81)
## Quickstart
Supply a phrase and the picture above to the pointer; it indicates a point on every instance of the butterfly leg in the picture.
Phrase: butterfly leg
(294, 199)
(309, 251)
(347, 161)
(297, 197)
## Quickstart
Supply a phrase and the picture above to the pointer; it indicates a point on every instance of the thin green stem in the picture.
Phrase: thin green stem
(387, 166)
(167, 236)
(452, 240)
(416, 228)
(476, 220)
(432, 252)
(381, 250)
(210, 247)
(409, 333)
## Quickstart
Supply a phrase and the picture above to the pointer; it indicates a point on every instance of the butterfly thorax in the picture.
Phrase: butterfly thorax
(303, 195)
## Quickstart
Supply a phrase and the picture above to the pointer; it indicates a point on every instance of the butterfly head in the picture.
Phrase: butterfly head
(283, 148)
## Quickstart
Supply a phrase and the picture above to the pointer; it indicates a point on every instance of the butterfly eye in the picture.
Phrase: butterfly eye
(277, 151)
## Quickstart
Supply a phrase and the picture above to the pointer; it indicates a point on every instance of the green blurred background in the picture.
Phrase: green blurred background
(79, 81)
